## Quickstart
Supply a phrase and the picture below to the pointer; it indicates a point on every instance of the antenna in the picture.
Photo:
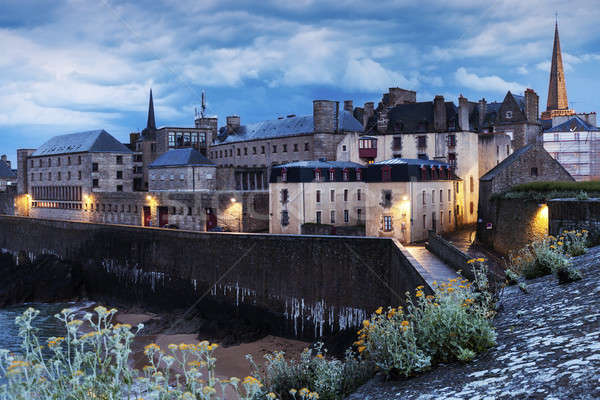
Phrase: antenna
(203, 108)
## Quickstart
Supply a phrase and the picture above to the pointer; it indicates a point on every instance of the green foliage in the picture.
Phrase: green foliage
(454, 324)
(567, 274)
(543, 191)
(333, 379)
(94, 365)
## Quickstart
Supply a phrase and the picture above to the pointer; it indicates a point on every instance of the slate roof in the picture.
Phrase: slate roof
(6, 172)
(98, 141)
(412, 161)
(287, 127)
(181, 158)
(574, 124)
(321, 164)
(418, 117)
(505, 163)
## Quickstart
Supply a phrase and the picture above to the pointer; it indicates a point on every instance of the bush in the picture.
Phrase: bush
(333, 379)
(95, 365)
(575, 242)
(454, 324)
(567, 274)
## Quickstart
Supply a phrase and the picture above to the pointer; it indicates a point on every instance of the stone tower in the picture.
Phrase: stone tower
(557, 104)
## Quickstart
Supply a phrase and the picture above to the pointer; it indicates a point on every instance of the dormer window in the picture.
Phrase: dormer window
(386, 173)
(284, 175)
(358, 174)
(332, 174)
(508, 114)
(346, 175)
(317, 175)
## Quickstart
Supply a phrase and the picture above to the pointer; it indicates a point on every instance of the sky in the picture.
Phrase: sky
(75, 65)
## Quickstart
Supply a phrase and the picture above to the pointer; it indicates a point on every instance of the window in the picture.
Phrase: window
(41, 177)
(346, 216)
(359, 214)
(451, 140)
(441, 195)
(497, 151)
(509, 114)
(285, 218)
(318, 193)
(49, 176)
(40, 163)
(119, 160)
(295, 147)
(306, 146)
(253, 149)
(94, 167)
(345, 194)
(181, 177)
(457, 187)
(171, 139)
(318, 217)
(95, 183)
(450, 217)
(556, 138)
(221, 153)
(284, 196)
(332, 195)
(58, 161)
(119, 188)
(332, 174)
(471, 207)
(245, 151)
(344, 147)
(387, 223)
(424, 221)
(387, 198)
(262, 149)
(421, 141)
(452, 159)
(507, 149)
(68, 175)
(471, 184)
(79, 175)
(424, 197)
(386, 173)
(69, 160)
(239, 152)
(274, 148)
(284, 175)
(58, 176)
(285, 148)
(534, 171)
(432, 196)
(449, 195)
(119, 174)
(576, 135)
(358, 174)
(32, 177)
(332, 219)
(317, 175)
(345, 175)
(153, 148)
(397, 143)
(358, 194)
(441, 218)
(172, 177)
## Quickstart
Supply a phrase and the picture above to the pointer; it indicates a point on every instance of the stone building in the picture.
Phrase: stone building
(317, 197)
(530, 163)
(249, 151)
(408, 197)
(182, 170)
(152, 142)
(8, 177)
(576, 145)
(68, 168)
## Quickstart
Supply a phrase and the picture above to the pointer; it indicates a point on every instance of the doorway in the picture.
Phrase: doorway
(163, 216)
(147, 216)
(211, 219)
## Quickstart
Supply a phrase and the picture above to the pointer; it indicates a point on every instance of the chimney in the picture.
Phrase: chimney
(348, 106)
(211, 125)
(463, 113)
(325, 116)
(482, 109)
(440, 122)
(233, 122)
(532, 105)
(368, 112)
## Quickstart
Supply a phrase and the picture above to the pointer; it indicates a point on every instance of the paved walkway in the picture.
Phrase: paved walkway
(436, 268)
(464, 240)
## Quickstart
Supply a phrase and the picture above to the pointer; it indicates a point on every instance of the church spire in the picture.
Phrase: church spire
(151, 125)
(557, 90)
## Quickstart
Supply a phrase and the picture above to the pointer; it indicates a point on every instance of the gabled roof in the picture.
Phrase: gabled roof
(6, 172)
(98, 141)
(321, 164)
(574, 124)
(287, 127)
(506, 163)
(180, 158)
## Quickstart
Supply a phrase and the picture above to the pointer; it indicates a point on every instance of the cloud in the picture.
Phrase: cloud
(522, 70)
(486, 83)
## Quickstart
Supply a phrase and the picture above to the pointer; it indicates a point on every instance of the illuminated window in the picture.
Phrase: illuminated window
(387, 223)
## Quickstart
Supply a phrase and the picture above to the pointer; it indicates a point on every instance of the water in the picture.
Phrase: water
(46, 323)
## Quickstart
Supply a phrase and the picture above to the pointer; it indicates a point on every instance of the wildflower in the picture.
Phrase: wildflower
(379, 311)
(319, 356)
(405, 323)
(271, 395)
(304, 392)
(450, 289)
(361, 348)
(559, 243)
(434, 283)
(420, 287)
(481, 259)
(293, 392)
(172, 347)
(419, 293)
(471, 261)
(208, 390)
(75, 322)
(151, 349)
(366, 323)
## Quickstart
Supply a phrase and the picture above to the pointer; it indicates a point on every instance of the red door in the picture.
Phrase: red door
(163, 216)
(211, 219)
(147, 216)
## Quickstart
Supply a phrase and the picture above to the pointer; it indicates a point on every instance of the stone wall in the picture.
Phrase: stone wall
(574, 214)
(302, 286)
(448, 253)
(514, 224)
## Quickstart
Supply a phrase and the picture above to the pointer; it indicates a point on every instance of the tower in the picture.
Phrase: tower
(557, 104)
(150, 130)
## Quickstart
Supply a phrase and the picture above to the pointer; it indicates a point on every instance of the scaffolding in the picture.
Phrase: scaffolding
(577, 151)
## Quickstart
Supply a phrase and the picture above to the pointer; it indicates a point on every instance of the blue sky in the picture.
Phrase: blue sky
(71, 65)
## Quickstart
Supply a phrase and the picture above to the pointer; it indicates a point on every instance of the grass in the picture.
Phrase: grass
(541, 191)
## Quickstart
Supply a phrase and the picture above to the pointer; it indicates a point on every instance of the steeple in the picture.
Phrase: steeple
(557, 90)
(151, 125)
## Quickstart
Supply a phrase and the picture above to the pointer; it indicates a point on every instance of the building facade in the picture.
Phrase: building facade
(8, 177)
(317, 195)
(576, 145)
(182, 170)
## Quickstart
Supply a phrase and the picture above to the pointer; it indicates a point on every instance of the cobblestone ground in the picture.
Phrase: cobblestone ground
(548, 348)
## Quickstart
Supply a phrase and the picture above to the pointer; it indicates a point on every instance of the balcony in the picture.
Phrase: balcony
(367, 153)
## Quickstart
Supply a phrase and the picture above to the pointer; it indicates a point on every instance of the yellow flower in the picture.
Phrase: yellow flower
(481, 259)
(379, 310)
(405, 323)
(319, 356)
(471, 261)
(559, 243)
(450, 289)
(420, 287)
(419, 293)
(293, 391)
(361, 348)
(272, 395)
(366, 323)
